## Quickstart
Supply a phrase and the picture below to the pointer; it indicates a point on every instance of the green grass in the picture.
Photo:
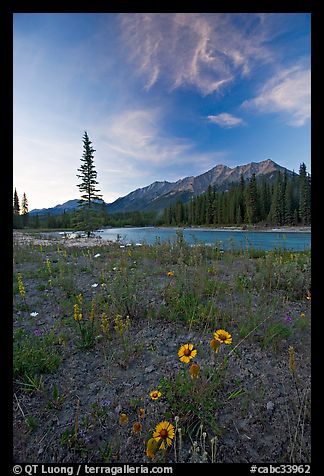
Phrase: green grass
(274, 334)
(195, 401)
(33, 356)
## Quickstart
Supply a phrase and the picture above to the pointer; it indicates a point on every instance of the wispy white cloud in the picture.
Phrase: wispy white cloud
(289, 91)
(138, 135)
(204, 51)
(133, 151)
(226, 120)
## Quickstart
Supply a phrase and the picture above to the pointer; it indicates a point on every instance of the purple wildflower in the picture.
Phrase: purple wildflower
(288, 319)
(37, 332)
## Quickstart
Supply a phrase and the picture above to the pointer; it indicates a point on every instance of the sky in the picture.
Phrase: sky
(162, 96)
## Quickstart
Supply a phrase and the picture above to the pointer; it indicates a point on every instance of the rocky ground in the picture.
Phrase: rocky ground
(259, 408)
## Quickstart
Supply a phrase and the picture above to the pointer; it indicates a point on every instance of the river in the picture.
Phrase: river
(227, 239)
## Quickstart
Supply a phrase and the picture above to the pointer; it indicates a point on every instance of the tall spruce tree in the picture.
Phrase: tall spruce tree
(88, 175)
(24, 209)
(16, 207)
(252, 200)
(17, 219)
(241, 198)
(87, 216)
(304, 195)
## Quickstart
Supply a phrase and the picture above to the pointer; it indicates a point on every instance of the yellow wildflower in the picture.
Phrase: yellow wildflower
(21, 286)
(137, 427)
(123, 419)
(164, 431)
(194, 370)
(104, 323)
(214, 344)
(151, 448)
(121, 326)
(170, 274)
(186, 353)
(77, 313)
(155, 394)
(223, 336)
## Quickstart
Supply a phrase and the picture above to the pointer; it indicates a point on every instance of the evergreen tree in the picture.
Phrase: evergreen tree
(309, 198)
(24, 209)
(24, 205)
(16, 207)
(277, 204)
(304, 195)
(179, 213)
(209, 205)
(190, 211)
(238, 215)
(87, 216)
(252, 204)
(265, 200)
(288, 205)
(241, 199)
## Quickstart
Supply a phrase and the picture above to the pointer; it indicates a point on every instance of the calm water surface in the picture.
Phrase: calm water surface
(296, 241)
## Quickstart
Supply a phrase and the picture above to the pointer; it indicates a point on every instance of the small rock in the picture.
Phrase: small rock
(149, 369)
(270, 406)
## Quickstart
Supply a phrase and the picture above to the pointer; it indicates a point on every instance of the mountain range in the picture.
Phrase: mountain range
(159, 195)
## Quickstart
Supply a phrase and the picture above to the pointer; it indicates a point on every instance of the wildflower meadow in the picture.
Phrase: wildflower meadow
(178, 354)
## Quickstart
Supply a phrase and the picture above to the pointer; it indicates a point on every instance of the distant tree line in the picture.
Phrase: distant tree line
(285, 201)
(68, 219)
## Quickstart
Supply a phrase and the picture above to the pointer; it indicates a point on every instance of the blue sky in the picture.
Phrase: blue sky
(162, 96)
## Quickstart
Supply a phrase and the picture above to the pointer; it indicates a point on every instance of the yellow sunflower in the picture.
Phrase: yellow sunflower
(164, 431)
(155, 394)
(223, 336)
(186, 353)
